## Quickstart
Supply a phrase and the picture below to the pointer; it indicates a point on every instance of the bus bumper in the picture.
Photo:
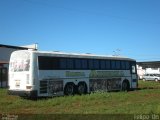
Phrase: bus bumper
(31, 94)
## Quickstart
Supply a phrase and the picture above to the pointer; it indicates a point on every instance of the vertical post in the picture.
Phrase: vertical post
(1, 77)
(4, 77)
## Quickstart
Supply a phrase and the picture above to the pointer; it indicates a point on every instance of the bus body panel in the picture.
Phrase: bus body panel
(94, 79)
(59, 78)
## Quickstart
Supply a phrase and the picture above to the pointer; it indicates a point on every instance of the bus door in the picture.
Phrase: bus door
(134, 82)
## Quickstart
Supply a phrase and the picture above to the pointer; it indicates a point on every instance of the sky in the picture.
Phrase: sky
(109, 27)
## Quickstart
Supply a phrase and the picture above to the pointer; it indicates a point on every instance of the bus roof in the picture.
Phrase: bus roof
(79, 55)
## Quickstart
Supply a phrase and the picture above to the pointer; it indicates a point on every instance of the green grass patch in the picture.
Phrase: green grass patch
(145, 100)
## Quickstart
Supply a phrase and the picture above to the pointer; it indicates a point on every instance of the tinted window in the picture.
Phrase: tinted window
(63, 63)
(118, 65)
(102, 64)
(123, 65)
(90, 64)
(78, 64)
(48, 63)
(113, 64)
(70, 64)
(108, 64)
(96, 64)
(84, 64)
(55, 63)
(127, 65)
(43, 63)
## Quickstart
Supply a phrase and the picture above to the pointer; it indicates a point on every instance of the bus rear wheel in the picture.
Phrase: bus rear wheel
(69, 89)
(156, 80)
(144, 79)
(82, 88)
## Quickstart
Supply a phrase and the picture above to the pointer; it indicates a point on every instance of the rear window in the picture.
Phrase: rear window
(20, 61)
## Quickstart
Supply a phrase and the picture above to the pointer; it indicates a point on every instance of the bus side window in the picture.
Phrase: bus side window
(70, 63)
(113, 64)
(44, 63)
(123, 65)
(63, 64)
(96, 64)
(78, 64)
(90, 64)
(84, 64)
(102, 65)
(53, 63)
(118, 65)
(127, 65)
(108, 64)
(133, 68)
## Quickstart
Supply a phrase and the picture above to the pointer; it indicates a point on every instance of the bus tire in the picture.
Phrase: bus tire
(144, 79)
(156, 79)
(125, 85)
(69, 89)
(82, 88)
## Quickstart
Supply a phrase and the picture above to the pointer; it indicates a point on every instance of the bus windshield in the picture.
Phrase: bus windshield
(20, 61)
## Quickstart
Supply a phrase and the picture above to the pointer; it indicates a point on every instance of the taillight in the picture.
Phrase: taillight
(28, 87)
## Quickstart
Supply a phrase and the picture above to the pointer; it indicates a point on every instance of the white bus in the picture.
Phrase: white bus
(44, 74)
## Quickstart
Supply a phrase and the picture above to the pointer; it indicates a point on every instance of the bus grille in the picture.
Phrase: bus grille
(43, 86)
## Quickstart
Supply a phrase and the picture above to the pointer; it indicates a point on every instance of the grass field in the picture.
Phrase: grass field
(145, 100)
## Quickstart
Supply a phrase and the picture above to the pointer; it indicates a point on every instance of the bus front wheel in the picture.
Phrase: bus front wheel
(125, 85)
(69, 89)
